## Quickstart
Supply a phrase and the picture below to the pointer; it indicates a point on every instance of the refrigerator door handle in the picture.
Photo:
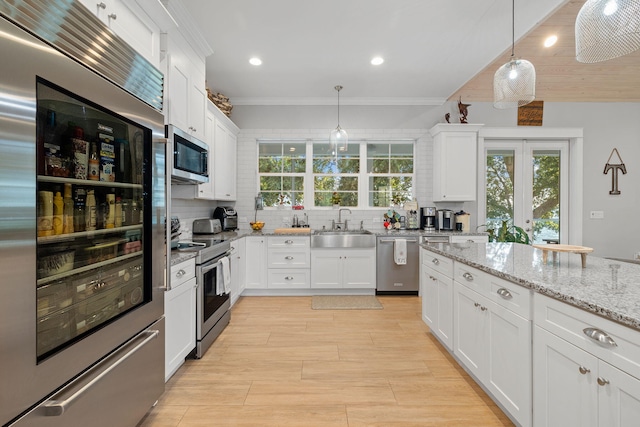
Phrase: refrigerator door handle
(54, 407)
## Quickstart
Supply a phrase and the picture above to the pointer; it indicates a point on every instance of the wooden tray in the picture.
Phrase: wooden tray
(299, 230)
(582, 250)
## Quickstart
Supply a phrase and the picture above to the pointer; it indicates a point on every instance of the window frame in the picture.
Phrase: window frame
(363, 175)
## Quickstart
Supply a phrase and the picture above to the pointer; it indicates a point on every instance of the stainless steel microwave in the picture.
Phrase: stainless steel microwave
(190, 157)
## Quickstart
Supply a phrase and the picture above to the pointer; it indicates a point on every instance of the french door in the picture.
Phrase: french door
(526, 182)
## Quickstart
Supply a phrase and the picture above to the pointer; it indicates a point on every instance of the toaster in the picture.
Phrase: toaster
(228, 217)
(206, 226)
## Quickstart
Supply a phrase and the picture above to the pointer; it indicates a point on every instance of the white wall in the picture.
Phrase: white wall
(606, 125)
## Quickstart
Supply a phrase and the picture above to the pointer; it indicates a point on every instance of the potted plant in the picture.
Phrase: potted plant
(506, 232)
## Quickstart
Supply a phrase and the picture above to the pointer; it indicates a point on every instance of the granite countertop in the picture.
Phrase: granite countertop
(607, 287)
(394, 233)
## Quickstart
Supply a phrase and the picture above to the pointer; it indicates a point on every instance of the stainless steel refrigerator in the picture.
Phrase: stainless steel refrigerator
(82, 236)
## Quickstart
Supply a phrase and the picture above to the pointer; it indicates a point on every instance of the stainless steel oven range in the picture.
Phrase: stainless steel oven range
(213, 301)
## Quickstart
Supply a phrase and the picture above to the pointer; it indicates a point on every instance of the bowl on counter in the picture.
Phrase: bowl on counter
(257, 226)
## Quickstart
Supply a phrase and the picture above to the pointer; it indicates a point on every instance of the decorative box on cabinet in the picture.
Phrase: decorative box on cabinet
(454, 162)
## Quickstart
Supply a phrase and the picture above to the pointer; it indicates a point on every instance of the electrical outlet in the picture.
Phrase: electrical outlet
(596, 215)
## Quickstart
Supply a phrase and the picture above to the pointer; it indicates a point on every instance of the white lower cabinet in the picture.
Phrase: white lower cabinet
(180, 316)
(237, 269)
(343, 268)
(573, 385)
(437, 304)
(256, 262)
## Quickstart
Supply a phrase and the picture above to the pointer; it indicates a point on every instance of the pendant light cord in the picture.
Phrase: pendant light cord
(513, 28)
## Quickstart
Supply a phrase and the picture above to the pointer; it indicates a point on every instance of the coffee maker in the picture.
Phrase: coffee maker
(428, 218)
(446, 220)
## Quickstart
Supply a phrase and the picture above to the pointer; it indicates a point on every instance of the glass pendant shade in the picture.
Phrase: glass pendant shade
(514, 84)
(338, 139)
(607, 29)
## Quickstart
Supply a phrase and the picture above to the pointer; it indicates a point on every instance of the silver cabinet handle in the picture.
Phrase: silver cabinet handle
(476, 304)
(468, 276)
(483, 308)
(599, 336)
(289, 242)
(288, 257)
(504, 293)
(101, 5)
(602, 381)
(56, 407)
(112, 16)
(584, 370)
(436, 261)
(288, 278)
(180, 273)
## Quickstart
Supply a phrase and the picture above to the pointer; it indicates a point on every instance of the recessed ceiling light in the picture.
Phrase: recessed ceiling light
(255, 61)
(377, 60)
(550, 41)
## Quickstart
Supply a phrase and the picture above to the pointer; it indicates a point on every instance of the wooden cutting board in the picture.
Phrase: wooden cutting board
(582, 250)
(299, 230)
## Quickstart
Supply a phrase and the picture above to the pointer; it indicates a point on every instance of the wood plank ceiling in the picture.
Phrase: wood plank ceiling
(559, 76)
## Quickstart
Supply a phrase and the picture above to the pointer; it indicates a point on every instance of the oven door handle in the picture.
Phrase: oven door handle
(210, 265)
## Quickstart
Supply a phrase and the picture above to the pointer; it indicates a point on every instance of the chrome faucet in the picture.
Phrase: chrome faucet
(339, 223)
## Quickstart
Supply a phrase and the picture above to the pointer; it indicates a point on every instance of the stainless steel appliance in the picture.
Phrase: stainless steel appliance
(81, 303)
(428, 218)
(190, 157)
(446, 220)
(213, 301)
(228, 217)
(393, 278)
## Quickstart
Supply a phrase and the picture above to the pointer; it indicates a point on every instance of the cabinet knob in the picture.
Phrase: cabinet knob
(289, 242)
(483, 308)
(599, 336)
(180, 273)
(436, 261)
(288, 257)
(101, 5)
(288, 278)
(476, 304)
(468, 276)
(504, 293)
(112, 16)
(584, 370)
(602, 381)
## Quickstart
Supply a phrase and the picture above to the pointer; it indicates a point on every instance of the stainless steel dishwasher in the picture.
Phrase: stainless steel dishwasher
(392, 278)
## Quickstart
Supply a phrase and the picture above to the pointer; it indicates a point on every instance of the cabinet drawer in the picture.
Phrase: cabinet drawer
(472, 278)
(293, 279)
(289, 258)
(437, 262)
(181, 273)
(569, 322)
(511, 296)
(289, 242)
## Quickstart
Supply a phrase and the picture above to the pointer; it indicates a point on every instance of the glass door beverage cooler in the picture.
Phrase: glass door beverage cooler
(82, 235)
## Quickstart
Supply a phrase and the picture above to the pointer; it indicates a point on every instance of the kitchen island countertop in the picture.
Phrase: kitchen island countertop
(606, 287)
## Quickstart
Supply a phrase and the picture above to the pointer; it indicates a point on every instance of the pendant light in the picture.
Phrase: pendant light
(338, 140)
(607, 29)
(514, 84)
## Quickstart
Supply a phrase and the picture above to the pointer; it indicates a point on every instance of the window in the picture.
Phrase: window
(368, 174)
(281, 170)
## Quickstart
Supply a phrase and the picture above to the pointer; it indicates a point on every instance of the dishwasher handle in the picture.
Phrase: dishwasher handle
(393, 240)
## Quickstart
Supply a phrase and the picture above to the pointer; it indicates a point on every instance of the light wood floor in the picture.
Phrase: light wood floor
(280, 363)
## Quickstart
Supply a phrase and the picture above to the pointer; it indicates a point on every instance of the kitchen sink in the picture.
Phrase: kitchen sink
(343, 239)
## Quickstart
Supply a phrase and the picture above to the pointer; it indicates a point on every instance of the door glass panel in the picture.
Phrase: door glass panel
(90, 200)
(546, 196)
(500, 178)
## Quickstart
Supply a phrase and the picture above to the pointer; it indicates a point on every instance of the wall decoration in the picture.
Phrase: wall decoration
(462, 108)
(615, 168)
(531, 114)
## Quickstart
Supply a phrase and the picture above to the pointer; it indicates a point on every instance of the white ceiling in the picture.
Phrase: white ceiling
(431, 47)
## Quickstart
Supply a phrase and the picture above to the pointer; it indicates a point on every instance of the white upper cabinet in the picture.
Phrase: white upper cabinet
(454, 162)
(224, 156)
(132, 23)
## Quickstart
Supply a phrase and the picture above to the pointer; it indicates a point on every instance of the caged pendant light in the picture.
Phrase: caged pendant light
(607, 29)
(338, 140)
(514, 84)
